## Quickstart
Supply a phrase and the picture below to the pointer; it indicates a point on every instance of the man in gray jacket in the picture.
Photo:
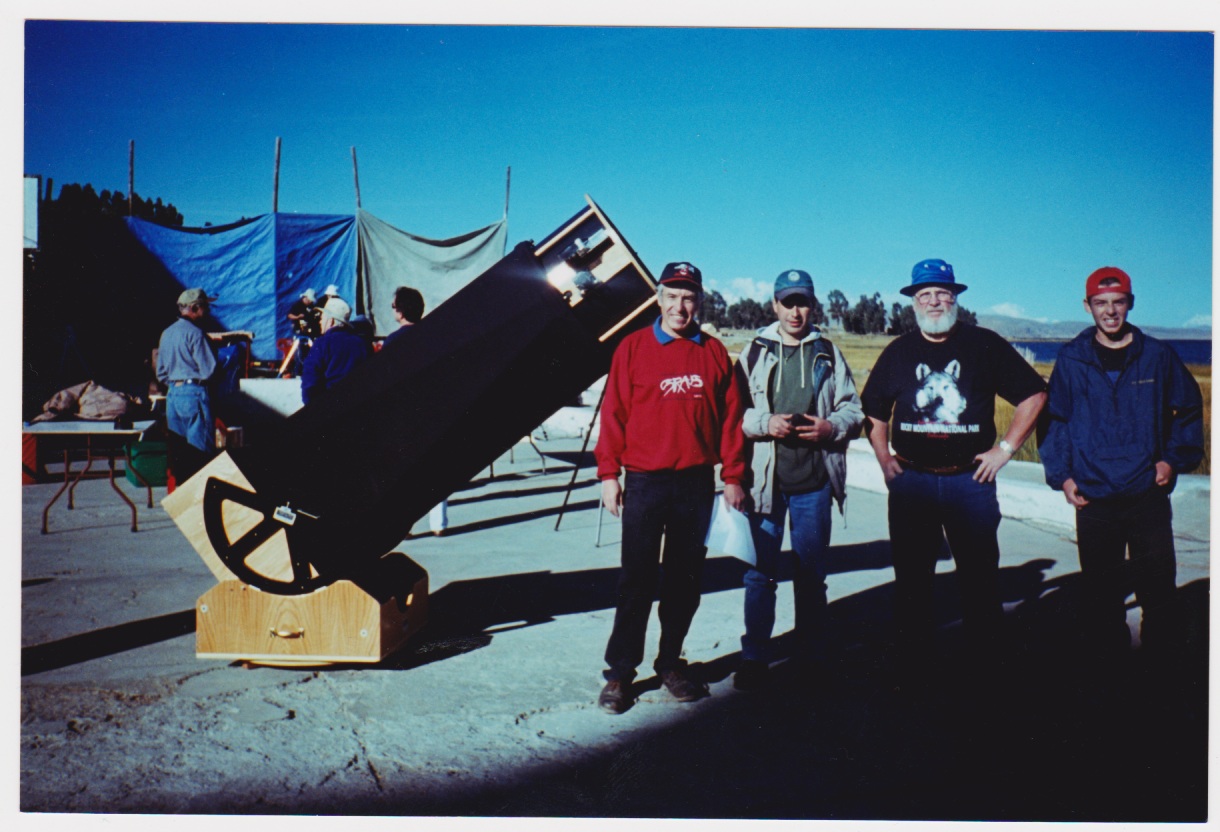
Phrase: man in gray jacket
(803, 411)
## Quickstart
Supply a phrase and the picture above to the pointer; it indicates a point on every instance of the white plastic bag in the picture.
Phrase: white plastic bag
(729, 532)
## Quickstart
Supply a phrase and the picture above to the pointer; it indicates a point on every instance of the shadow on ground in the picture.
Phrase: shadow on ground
(106, 641)
(1047, 735)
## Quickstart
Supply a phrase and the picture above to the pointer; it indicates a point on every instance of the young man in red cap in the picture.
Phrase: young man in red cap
(672, 412)
(940, 385)
(1126, 417)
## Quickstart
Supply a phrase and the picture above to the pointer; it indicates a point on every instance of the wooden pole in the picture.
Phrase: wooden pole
(508, 182)
(356, 177)
(275, 192)
(131, 174)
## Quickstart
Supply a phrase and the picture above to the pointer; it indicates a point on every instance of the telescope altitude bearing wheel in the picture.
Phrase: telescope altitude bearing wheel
(307, 576)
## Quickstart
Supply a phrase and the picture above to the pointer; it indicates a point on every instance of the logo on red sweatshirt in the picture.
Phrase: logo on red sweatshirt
(681, 385)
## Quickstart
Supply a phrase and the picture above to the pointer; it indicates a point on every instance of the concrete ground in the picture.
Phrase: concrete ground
(491, 710)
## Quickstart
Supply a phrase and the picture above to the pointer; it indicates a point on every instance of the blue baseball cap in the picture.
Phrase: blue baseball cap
(793, 282)
(932, 273)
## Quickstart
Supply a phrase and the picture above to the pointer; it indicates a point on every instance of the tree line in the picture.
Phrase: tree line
(94, 298)
(866, 317)
(84, 200)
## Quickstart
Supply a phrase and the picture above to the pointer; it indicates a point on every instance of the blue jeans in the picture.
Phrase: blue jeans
(188, 413)
(924, 509)
(676, 505)
(805, 564)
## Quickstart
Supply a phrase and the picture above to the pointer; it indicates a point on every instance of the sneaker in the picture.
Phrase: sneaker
(615, 697)
(680, 687)
(752, 675)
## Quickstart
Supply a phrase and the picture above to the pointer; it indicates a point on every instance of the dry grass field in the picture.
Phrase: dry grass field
(861, 351)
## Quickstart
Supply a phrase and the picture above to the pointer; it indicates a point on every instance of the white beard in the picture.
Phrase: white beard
(941, 325)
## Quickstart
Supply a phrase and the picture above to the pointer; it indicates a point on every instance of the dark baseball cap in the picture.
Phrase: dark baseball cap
(682, 275)
(793, 282)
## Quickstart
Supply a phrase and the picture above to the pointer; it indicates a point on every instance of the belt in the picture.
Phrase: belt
(183, 381)
(936, 469)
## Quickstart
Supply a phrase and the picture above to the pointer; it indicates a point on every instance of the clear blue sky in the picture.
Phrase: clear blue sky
(1025, 159)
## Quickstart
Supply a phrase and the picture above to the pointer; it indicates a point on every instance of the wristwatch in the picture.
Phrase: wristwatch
(1005, 445)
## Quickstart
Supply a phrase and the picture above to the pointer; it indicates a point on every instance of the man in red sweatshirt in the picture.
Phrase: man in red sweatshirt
(672, 412)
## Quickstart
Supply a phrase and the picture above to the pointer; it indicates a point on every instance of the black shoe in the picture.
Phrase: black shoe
(680, 687)
(615, 697)
(752, 675)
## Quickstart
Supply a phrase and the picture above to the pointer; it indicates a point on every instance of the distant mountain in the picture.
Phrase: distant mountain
(1022, 329)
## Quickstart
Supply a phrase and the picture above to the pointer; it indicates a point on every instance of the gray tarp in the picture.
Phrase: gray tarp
(391, 258)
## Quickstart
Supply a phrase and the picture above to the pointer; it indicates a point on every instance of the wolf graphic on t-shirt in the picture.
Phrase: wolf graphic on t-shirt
(938, 399)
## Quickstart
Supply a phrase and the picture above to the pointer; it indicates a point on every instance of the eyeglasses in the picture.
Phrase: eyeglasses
(942, 295)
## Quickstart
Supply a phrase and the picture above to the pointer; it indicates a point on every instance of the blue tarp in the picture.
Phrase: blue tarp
(258, 268)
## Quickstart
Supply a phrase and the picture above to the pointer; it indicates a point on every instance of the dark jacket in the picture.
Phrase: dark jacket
(1108, 436)
(332, 356)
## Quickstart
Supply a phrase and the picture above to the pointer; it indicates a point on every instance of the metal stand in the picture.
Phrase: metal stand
(70, 481)
(576, 468)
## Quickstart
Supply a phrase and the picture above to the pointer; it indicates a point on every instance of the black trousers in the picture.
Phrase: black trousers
(1126, 544)
(676, 505)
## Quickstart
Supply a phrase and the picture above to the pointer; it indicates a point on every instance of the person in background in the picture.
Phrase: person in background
(335, 352)
(672, 411)
(408, 306)
(304, 314)
(1126, 417)
(186, 361)
(331, 291)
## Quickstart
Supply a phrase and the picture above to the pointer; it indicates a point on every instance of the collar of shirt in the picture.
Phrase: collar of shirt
(664, 337)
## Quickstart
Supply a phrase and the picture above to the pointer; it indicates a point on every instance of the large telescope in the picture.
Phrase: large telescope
(314, 514)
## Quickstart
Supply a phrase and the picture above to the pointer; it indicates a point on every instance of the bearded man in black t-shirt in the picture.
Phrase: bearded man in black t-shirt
(940, 384)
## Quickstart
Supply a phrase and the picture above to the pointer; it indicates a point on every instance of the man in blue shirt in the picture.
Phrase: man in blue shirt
(335, 352)
(1125, 420)
(185, 363)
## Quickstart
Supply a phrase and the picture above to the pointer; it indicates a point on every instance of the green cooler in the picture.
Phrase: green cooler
(149, 461)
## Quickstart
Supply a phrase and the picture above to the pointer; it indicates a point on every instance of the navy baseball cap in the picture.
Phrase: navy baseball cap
(682, 275)
(793, 282)
(932, 273)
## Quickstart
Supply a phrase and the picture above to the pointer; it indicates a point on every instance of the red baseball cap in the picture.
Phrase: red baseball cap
(1093, 286)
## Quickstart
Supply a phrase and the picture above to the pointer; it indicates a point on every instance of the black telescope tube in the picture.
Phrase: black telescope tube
(425, 414)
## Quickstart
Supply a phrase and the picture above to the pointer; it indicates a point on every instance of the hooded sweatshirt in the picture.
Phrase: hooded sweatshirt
(833, 397)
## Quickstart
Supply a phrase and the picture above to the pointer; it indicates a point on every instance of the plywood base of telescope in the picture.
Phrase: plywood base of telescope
(185, 507)
(338, 623)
